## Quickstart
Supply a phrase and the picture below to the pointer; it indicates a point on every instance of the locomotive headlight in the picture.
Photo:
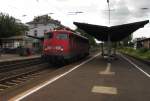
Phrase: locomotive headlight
(59, 48)
(47, 48)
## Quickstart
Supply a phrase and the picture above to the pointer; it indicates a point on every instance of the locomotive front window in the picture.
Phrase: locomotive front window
(62, 36)
(48, 35)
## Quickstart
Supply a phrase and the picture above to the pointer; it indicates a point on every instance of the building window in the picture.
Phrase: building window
(35, 32)
(45, 31)
(26, 33)
(35, 25)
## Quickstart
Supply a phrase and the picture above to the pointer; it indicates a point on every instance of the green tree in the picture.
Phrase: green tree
(9, 26)
(127, 40)
(91, 38)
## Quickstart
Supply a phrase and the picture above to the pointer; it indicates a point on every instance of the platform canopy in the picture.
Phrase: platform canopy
(117, 33)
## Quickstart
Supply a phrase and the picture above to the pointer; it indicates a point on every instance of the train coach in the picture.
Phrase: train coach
(64, 45)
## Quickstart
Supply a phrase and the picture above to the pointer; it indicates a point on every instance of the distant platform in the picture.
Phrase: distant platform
(15, 57)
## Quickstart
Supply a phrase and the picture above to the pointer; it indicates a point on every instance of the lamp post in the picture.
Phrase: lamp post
(108, 12)
(109, 38)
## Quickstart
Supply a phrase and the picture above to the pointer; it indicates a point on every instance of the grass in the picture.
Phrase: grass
(139, 53)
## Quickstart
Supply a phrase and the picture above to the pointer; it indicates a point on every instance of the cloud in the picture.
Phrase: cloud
(62, 0)
(119, 13)
(95, 11)
(136, 7)
(125, 11)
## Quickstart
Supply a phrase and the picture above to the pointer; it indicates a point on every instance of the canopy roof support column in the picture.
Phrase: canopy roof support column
(109, 48)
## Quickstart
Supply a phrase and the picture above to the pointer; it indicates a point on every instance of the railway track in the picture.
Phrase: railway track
(13, 75)
(20, 72)
(5, 67)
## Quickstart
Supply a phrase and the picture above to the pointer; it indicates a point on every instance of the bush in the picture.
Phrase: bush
(142, 53)
(148, 54)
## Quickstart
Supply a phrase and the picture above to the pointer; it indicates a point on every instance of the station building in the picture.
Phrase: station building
(143, 43)
(37, 27)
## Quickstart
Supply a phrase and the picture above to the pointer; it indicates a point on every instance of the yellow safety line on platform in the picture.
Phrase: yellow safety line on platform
(107, 71)
(104, 90)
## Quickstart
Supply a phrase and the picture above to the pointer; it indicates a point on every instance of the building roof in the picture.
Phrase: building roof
(145, 39)
(45, 19)
(44, 22)
(20, 37)
(117, 33)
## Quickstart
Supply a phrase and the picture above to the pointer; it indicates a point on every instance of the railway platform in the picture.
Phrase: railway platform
(95, 80)
(15, 57)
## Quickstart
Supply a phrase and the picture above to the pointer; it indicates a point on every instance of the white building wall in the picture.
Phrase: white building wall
(40, 28)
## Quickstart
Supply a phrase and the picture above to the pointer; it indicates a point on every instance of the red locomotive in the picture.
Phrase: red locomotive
(60, 45)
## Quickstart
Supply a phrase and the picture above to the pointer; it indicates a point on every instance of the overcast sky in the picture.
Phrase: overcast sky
(95, 11)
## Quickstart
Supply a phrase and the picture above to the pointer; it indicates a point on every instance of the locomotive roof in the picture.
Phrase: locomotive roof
(61, 30)
(73, 32)
(117, 33)
(80, 35)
